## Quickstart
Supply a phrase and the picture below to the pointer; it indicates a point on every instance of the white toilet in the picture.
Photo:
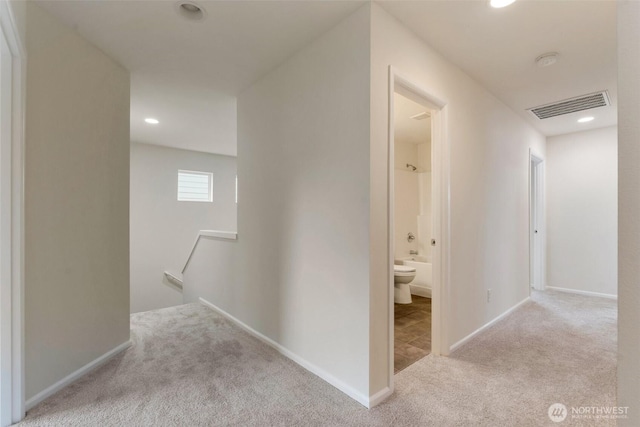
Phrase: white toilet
(402, 276)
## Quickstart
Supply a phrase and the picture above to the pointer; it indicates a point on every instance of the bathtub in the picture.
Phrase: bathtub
(421, 285)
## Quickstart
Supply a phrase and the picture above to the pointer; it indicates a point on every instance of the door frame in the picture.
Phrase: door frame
(537, 247)
(12, 79)
(440, 205)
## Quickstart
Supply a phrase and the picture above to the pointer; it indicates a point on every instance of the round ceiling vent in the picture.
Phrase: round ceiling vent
(191, 10)
(547, 59)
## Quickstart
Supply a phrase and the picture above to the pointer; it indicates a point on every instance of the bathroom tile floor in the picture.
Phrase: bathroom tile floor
(412, 332)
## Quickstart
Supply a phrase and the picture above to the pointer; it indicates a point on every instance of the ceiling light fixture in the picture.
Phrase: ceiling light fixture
(585, 119)
(152, 121)
(190, 10)
(547, 59)
(500, 3)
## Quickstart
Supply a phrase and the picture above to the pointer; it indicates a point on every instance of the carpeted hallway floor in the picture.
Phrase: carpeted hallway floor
(190, 367)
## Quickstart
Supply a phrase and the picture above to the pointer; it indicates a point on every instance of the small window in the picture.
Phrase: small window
(195, 186)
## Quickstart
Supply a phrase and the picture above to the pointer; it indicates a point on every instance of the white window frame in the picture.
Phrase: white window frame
(209, 176)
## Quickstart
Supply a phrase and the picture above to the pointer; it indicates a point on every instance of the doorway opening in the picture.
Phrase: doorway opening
(536, 222)
(413, 231)
(418, 224)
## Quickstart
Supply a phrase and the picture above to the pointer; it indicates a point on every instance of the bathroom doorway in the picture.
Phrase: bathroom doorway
(418, 224)
(412, 231)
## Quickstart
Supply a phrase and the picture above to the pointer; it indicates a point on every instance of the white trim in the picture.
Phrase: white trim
(185, 198)
(348, 390)
(49, 391)
(586, 293)
(17, 238)
(466, 339)
(6, 61)
(174, 280)
(229, 235)
(421, 291)
(216, 234)
(379, 397)
(391, 230)
(537, 261)
(12, 286)
(440, 206)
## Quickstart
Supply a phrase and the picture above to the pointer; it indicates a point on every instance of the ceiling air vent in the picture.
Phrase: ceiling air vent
(567, 106)
(420, 116)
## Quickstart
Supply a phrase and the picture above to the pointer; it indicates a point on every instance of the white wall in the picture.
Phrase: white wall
(425, 220)
(489, 189)
(412, 201)
(163, 229)
(406, 199)
(211, 273)
(629, 210)
(424, 156)
(303, 137)
(582, 211)
(405, 153)
(412, 213)
(76, 202)
(301, 264)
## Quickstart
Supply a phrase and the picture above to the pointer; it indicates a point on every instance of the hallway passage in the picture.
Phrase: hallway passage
(188, 366)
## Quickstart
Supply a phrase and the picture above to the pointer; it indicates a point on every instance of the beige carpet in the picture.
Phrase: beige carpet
(190, 367)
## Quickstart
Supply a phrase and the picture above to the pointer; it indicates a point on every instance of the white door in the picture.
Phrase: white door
(536, 229)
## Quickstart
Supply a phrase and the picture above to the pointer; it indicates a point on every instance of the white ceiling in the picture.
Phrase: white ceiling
(498, 48)
(187, 74)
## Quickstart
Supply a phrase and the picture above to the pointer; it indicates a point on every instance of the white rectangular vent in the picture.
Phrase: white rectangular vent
(568, 106)
(420, 116)
(195, 186)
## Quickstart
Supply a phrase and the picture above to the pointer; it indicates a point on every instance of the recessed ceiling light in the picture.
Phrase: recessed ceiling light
(585, 119)
(547, 59)
(190, 10)
(500, 3)
(151, 121)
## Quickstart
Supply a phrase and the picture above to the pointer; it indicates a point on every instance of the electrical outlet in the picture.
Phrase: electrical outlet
(488, 295)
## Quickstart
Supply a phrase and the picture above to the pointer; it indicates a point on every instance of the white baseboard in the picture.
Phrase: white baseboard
(348, 390)
(379, 397)
(486, 326)
(579, 292)
(75, 375)
(421, 291)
